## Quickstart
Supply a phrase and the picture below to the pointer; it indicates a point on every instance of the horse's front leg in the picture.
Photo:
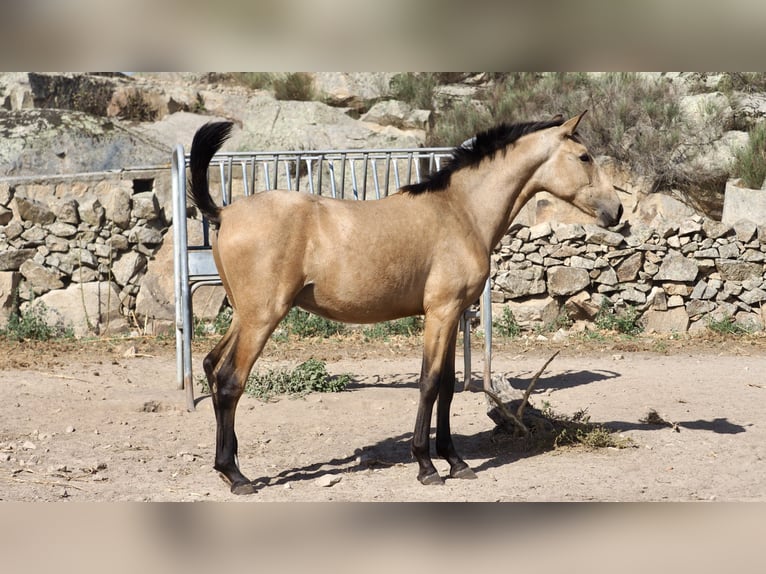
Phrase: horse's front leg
(444, 446)
(439, 330)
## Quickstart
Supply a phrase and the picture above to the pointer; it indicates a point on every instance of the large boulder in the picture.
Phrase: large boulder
(55, 141)
(156, 298)
(9, 283)
(87, 308)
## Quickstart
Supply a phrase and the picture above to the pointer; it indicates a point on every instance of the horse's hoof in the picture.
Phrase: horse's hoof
(243, 488)
(464, 472)
(430, 479)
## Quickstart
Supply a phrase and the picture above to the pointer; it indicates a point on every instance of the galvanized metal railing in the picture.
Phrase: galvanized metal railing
(362, 174)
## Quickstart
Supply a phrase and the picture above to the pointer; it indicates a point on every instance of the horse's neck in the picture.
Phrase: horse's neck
(494, 197)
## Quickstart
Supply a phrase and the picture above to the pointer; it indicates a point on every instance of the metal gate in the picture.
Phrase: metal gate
(364, 174)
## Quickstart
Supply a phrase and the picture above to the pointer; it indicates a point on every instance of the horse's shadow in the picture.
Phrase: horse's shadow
(475, 447)
(562, 380)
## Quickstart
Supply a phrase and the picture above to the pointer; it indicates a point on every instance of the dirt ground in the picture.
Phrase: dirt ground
(103, 421)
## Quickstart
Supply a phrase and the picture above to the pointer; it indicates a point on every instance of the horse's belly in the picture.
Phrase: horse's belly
(359, 306)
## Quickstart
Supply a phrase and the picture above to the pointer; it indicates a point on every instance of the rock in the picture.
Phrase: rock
(67, 212)
(607, 276)
(128, 266)
(398, 114)
(601, 236)
(567, 280)
(327, 480)
(741, 203)
(674, 320)
(64, 230)
(6, 215)
(540, 230)
(633, 295)
(353, 89)
(567, 231)
(733, 270)
(11, 260)
(88, 308)
(117, 207)
(534, 310)
(35, 235)
(689, 227)
(753, 296)
(9, 283)
(697, 307)
(145, 236)
(662, 212)
(91, 212)
(33, 211)
(629, 268)
(39, 278)
(60, 141)
(522, 282)
(676, 267)
(145, 206)
(715, 229)
(745, 230)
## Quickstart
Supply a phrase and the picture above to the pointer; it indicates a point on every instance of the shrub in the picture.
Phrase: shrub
(251, 80)
(750, 161)
(294, 86)
(631, 117)
(415, 89)
(138, 109)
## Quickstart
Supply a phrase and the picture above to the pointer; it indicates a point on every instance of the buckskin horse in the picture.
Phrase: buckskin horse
(426, 252)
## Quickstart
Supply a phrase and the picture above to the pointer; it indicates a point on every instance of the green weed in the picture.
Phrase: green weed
(726, 326)
(506, 325)
(304, 324)
(407, 326)
(310, 376)
(625, 321)
(33, 323)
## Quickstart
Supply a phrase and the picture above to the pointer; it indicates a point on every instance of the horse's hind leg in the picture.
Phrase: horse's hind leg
(444, 446)
(241, 348)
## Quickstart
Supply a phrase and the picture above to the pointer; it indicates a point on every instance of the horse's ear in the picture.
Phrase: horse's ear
(570, 126)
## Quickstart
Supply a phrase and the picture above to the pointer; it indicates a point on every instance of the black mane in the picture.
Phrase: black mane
(470, 154)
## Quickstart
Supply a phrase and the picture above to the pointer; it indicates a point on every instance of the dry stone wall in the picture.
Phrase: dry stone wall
(80, 246)
(678, 275)
(97, 251)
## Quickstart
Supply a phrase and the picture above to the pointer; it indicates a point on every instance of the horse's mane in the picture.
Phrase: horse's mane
(470, 154)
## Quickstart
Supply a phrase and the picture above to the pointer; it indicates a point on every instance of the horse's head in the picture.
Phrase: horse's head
(570, 174)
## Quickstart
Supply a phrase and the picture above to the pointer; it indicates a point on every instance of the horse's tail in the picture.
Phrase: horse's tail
(207, 141)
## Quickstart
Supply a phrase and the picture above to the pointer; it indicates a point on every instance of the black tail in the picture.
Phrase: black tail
(207, 141)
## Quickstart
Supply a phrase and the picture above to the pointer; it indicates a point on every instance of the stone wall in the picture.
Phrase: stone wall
(676, 275)
(81, 244)
(97, 250)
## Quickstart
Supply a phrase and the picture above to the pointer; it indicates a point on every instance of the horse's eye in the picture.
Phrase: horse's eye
(585, 158)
